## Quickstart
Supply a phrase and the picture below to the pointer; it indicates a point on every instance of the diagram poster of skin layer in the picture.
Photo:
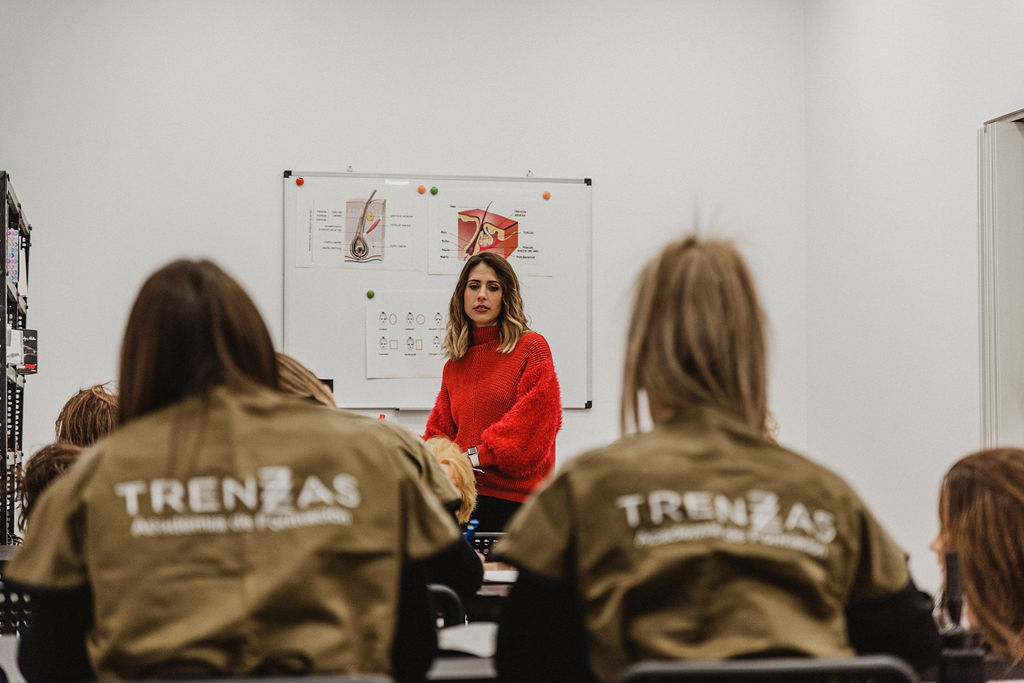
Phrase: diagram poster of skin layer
(404, 331)
(371, 226)
(511, 224)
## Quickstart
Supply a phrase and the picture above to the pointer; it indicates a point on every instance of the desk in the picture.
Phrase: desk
(462, 669)
(485, 605)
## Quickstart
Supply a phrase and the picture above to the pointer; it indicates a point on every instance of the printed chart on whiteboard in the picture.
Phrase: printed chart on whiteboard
(511, 223)
(404, 331)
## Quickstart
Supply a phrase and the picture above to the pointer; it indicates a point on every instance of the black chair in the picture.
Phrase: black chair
(447, 605)
(311, 678)
(867, 669)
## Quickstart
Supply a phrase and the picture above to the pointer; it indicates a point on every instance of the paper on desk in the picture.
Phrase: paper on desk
(477, 639)
(500, 575)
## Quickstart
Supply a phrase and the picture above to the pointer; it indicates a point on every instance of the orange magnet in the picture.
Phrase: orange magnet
(299, 181)
(421, 189)
(547, 195)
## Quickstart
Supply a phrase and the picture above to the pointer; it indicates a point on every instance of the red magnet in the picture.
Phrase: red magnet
(299, 181)
(421, 189)
(547, 195)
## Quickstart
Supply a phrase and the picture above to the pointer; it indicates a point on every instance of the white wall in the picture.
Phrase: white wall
(896, 91)
(137, 132)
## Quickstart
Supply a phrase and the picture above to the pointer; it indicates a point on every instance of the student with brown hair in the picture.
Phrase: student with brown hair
(88, 415)
(702, 538)
(981, 515)
(43, 467)
(298, 380)
(225, 529)
(499, 398)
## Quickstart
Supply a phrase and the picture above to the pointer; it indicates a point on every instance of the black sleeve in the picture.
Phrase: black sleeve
(540, 634)
(52, 646)
(457, 567)
(415, 644)
(900, 624)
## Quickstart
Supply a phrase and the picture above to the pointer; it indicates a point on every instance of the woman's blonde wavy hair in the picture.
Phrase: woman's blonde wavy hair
(982, 516)
(512, 322)
(696, 336)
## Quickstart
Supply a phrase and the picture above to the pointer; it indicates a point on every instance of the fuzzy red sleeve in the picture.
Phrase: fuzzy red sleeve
(440, 422)
(523, 440)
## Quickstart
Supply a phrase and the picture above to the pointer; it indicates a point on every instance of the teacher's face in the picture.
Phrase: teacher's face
(482, 299)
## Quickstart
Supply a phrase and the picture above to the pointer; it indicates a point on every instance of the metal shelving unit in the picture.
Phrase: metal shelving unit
(18, 238)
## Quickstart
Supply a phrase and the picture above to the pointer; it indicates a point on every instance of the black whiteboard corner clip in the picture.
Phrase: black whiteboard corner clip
(588, 404)
(288, 174)
(587, 181)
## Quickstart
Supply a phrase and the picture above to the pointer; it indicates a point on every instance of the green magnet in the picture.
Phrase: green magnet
(369, 294)
(433, 190)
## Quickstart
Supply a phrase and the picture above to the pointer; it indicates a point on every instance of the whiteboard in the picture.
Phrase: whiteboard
(371, 260)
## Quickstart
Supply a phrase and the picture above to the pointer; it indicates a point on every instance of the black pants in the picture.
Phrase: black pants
(494, 513)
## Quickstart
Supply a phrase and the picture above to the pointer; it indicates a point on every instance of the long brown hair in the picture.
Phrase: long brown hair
(982, 517)
(512, 323)
(191, 328)
(88, 415)
(696, 335)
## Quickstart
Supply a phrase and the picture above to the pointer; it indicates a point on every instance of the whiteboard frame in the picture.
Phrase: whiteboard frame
(585, 240)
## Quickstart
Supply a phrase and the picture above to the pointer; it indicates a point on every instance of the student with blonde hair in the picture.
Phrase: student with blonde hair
(981, 515)
(455, 464)
(225, 529)
(701, 538)
(499, 398)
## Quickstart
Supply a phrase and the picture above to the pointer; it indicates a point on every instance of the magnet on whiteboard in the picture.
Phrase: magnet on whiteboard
(433, 190)
(547, 195)
(421, 189)
(369, 294)
(299, 181)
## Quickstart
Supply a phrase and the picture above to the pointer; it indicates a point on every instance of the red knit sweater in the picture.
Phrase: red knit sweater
(507, 405)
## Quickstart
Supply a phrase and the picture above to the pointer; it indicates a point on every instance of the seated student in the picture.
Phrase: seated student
(459, 470)
(225, 529)
(702, 538)
(295, 379)
(981, 515)
(45, 465)
(88, 415)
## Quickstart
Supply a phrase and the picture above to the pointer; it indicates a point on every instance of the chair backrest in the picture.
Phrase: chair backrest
(867, 669)
(311, 678)
(447, 605)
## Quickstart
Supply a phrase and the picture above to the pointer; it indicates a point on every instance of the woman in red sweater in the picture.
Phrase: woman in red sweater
(499, 398)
